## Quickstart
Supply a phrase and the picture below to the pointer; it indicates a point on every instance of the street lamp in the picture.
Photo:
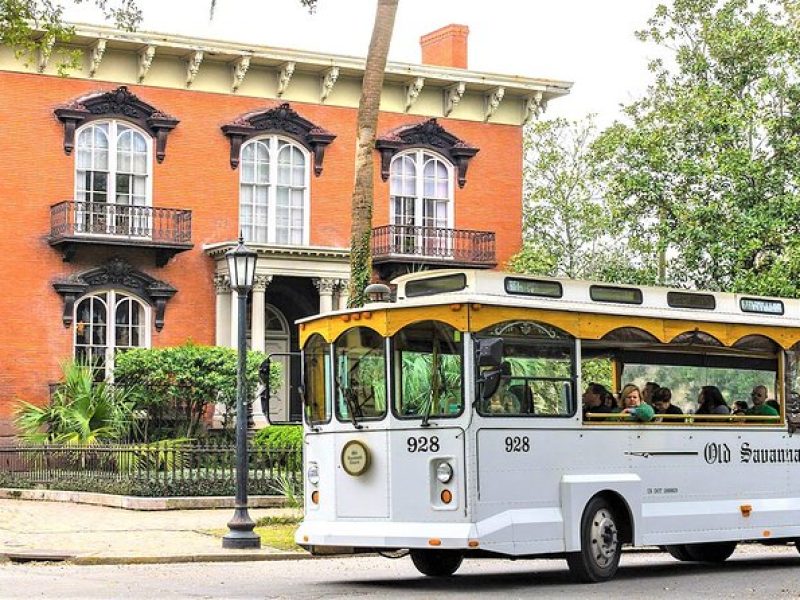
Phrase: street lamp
(242, 271)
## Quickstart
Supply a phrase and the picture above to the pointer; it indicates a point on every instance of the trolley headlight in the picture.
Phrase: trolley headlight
(444, 472)
(313, 474)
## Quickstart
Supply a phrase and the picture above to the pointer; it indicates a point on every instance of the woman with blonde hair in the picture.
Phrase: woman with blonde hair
(630, 402)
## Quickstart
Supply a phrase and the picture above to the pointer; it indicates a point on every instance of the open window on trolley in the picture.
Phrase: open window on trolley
(535, 376)
(688, 366)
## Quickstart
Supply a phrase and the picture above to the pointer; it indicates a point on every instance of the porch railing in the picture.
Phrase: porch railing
(435, 244)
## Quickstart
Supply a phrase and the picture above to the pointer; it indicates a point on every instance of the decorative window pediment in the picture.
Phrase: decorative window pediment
(119, 103)
(115, 274)
(428, 134)
(282, 120)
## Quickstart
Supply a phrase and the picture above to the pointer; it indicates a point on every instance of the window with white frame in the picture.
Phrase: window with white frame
(273, 192)
(107, 323)
(421, 190)
(113, 179)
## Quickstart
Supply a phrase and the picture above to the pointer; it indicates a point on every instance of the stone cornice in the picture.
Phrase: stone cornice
(219, 249)
(208, 66)
(225, 50)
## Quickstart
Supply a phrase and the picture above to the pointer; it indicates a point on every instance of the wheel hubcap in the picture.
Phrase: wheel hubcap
(604, 538)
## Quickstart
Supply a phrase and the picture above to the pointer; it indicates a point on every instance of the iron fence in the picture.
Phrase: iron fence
(150, 469)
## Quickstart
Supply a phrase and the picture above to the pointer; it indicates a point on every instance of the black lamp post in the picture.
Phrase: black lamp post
(242, 270)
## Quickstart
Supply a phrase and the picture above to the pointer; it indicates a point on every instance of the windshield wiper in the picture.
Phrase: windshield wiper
(426, 415)
(352, 404)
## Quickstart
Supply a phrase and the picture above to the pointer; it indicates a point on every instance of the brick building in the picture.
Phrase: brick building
(125, 182)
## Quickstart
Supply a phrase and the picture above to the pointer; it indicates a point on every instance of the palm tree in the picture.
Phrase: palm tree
(81, 411)
(366, 132)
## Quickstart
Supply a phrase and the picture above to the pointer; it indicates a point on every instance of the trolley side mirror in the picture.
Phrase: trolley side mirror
(490, 352)
(489, 383)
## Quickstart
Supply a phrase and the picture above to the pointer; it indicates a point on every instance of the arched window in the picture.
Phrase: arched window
(420, 185)
(106, 323)
(273, 192)
(113, 168)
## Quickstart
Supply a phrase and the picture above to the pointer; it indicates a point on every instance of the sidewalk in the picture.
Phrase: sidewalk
(86, 534)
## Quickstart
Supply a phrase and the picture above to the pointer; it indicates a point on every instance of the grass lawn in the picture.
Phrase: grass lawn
(275, 532)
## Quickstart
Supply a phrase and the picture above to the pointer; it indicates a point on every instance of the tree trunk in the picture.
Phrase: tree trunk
(368, 106)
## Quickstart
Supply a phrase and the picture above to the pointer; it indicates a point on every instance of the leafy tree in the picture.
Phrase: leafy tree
(180, 382)
(81, 411)
(32, 26)
(708, 162)
(568, 228)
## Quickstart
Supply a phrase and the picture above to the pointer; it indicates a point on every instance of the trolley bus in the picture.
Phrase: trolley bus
(406, 447)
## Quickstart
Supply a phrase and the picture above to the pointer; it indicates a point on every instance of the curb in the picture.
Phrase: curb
(137, 502)
(186, 558)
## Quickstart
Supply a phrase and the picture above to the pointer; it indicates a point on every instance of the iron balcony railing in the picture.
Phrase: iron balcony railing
(120, 221)
(433, 244)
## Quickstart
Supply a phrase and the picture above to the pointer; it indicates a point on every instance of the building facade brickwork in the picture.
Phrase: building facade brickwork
(196, 175)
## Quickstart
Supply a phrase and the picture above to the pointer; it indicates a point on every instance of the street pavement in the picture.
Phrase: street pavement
(752, 572)
(103, 535)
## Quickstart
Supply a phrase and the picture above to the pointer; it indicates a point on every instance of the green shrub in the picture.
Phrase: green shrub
(280, 437)
(143, 487)
(176, 385)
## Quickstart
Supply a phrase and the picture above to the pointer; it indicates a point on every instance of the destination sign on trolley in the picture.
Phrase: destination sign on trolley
(759, 305)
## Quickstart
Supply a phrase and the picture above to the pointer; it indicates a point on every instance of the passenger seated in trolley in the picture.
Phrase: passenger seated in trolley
(594, 399)
(662, 403)
(631, 404)
(760, 407)
(711, 401)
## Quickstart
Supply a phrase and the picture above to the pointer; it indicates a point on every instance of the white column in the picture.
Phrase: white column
(223, 310)
(258, 325)
(325, 288)
(344, 293)
(234, 318)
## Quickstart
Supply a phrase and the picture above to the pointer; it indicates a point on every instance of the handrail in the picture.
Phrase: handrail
(688, 418)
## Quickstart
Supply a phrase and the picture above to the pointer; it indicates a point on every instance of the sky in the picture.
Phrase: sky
(588, 42)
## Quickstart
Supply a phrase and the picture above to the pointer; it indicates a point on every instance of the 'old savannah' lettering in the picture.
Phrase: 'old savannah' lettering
(768, 455)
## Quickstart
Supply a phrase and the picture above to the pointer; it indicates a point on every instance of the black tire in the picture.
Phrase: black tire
(679, 552)
(436, 563)
(600, 551)
(710, 552)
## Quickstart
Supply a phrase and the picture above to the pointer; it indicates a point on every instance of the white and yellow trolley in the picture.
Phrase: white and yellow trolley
(408, 447)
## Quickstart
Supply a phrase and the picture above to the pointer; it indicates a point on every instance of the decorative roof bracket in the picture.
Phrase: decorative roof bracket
(193, 66)
(452, 96)
(413, 90)
(533, 106)
(328, 81)
(284, 77)
(239, 68)
(96, 57)
(45, 50)
(492, 101)
(146, 55)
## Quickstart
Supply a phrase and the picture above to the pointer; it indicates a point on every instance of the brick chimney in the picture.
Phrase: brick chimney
(445, 47)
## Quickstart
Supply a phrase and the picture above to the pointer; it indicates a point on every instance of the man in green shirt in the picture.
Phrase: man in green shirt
(760, 408)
